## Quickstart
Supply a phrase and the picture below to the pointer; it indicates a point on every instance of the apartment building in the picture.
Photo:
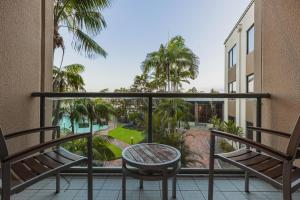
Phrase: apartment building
(262, 56)
(239, 69)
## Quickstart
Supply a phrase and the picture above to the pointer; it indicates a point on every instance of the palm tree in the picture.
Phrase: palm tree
(141, 83)
(66, 79)
(104, 110)
(97, 110)
(76, 111)
(84, 20)
(171, 112)
(173, 63)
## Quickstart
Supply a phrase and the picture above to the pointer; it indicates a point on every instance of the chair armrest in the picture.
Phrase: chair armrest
(37, 148)
(278, 133)
(273, 152)
(26, 132)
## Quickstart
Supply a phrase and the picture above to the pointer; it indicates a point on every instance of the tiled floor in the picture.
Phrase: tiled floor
(188, 188)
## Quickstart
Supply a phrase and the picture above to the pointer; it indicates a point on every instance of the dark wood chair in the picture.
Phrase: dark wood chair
(24, 168)
(262, 161)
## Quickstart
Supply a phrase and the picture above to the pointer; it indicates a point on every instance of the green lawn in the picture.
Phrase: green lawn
(125, 135)
(117, 151)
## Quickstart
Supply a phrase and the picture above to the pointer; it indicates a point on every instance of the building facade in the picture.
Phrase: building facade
(239, 69)
(266, 59)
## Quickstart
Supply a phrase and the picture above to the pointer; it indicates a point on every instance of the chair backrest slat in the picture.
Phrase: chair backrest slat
(294, 140)
(3, 146)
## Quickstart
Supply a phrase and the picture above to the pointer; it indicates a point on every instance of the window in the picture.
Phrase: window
(232, 87)
(250, 39)
(250, 83)
(249, 132)
(232, 57)
(231, 118)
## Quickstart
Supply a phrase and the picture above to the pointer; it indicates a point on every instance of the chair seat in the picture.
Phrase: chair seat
(262, 165)
(31, 168)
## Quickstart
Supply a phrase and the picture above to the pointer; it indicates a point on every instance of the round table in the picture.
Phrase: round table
(151, 161)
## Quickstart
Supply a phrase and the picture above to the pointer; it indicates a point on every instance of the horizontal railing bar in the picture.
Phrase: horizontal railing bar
(144, 95)
(118, 170)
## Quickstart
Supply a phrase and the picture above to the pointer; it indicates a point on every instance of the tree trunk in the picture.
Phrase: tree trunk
(72, 126)
(91, 126)
(168, 71)
(56, 107)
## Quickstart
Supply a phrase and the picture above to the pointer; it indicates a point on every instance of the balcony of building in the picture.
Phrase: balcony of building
(26, 101)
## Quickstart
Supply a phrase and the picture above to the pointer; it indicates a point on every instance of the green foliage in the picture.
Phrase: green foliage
(84, 20)
(101, 150)
(171, 113)
(171, 65)
(138, 119)
(125, 135)
(225, 146)
(68, 78)
(217, 123)
(117, 151)
(232, 128)
(229, 127)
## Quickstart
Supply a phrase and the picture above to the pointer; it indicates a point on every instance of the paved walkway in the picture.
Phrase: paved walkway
(198, 142)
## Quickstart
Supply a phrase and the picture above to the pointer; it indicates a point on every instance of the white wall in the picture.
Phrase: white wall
(239, 38)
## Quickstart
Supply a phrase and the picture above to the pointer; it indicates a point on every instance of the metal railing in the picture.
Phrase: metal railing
(150, 96)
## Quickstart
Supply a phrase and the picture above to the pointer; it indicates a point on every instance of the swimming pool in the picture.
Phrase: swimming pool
(65, 123)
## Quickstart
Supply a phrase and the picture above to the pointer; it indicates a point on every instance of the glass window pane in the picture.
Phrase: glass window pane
(250, 40)
(234, 57)
(250, 83)
(234, 87)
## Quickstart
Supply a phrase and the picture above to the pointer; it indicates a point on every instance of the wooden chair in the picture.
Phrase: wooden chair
(26, 167)
(271, 165)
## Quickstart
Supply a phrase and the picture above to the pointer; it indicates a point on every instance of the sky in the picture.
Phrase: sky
(137, 27)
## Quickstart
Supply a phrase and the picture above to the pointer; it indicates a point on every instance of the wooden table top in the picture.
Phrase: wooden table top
(151, 154)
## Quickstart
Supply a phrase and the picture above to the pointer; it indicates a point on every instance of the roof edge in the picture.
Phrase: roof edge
(240, 19)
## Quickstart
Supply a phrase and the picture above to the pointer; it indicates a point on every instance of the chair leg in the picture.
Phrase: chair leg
(123, 186)
(58, 182)
(246, 181)
(286, 175)
(141, 184)
(5, 192)
(211, 168)
(90, 168)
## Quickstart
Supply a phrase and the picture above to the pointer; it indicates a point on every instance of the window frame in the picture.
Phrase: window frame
(247, 83)
(230, 87)
(249, 29)
(231, 64)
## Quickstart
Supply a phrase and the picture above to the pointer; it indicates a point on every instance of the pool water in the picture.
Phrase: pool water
(65, 123)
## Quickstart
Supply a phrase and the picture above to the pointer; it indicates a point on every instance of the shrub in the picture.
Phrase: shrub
(225, 146)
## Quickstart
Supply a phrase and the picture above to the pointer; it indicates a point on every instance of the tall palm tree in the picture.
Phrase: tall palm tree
(171, 112)
(84, 20)
(170, 61)
(76, 111)
(66, 79)
(141, 83)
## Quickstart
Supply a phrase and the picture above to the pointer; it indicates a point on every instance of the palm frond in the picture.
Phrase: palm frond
(84, 43)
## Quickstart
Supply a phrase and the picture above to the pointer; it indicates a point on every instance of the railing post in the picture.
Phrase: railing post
(42, 118)
(150, 137)
(258, 119)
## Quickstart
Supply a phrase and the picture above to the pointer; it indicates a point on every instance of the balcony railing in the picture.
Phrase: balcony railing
(150, 96)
